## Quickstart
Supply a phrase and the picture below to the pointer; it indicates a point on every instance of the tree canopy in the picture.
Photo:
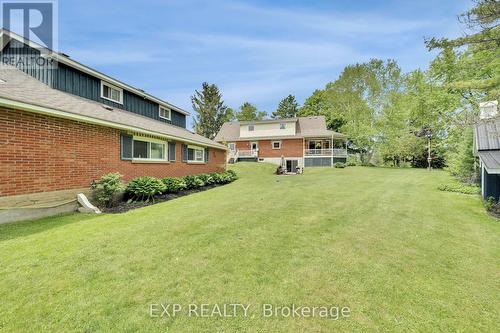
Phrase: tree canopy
(287, 108)
(248, 112)
(210, 110)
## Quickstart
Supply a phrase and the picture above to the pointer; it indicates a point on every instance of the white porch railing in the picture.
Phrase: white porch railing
(247, 153)
(336, 152)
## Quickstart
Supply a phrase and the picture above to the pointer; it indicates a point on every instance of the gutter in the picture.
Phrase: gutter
(8, 103)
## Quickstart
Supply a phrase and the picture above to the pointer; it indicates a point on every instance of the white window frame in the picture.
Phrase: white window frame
(231, 146)
(120, 90)
(196, 148)
(282, 126)
(278, 142)
(149, 141)
(162, 108)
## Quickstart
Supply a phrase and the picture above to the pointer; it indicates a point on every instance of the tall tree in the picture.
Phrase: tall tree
(353, 102)
(482, 20)
(480, 61)
(287, 108)
(210, 110)
(248, 112)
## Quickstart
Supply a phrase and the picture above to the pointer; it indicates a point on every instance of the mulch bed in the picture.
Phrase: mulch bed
(124, 206)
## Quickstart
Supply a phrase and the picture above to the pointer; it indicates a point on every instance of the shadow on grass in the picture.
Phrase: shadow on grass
(26, 228)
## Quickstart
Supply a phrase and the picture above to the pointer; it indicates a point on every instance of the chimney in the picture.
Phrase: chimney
(488, 110)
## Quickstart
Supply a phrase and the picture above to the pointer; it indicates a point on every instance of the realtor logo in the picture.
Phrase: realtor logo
(34, 20)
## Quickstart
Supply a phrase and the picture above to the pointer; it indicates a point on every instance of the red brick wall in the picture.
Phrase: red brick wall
(40, 153)
(289, 148)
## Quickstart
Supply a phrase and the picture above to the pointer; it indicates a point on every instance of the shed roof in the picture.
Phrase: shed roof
(487, 134)
(491, 159)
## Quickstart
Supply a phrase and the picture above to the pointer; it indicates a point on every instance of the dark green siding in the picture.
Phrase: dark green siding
(18, 54)
(73, 81)
(491, 185)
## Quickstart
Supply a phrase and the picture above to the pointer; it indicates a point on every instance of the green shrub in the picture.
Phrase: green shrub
(207, 178)
(145, 188)
(232, 174)
(174, 185)
(218, 178)
(353, 160)
(459, 188)
(107, 189)
(339, 165)
(193, 181)
(490, 204)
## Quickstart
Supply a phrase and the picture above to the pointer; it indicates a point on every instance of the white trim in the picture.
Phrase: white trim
(86, 119)
(160, 108)
(149, 160)
(273, 142)
(483, 182)
(120, 90)
(72, 63)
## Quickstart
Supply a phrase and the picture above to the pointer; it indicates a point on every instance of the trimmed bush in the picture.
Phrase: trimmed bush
(193, 181)
(207, 178)
(107, 189)
(174, 185)
(145, 188)
(459, 188)
(339, 165)
(232, 174)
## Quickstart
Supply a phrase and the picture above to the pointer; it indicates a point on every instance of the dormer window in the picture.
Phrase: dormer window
(111, 93)
(164, 113)
(282, 126)
(250, 128)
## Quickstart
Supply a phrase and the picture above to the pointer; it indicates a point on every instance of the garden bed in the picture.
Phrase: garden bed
(111, 195)
(125, 206)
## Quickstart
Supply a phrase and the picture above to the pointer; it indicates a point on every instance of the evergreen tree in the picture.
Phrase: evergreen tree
(249, 112)
(210, 110)
(287, 108)
(480, 61)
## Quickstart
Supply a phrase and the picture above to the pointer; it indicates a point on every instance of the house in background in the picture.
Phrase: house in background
(487, 147)
(64, 125)
(296, 142)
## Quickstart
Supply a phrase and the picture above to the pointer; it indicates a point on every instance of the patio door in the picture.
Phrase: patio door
(291, 165)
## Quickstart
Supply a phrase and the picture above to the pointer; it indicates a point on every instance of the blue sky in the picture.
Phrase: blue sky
(256, 51)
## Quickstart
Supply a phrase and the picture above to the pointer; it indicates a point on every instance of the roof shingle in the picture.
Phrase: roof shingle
(307, 127)
(20, 87)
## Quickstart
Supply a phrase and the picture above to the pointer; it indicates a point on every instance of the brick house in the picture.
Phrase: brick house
(295, 142)
(63, 125)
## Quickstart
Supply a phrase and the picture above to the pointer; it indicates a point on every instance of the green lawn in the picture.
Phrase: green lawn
(386, 243)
